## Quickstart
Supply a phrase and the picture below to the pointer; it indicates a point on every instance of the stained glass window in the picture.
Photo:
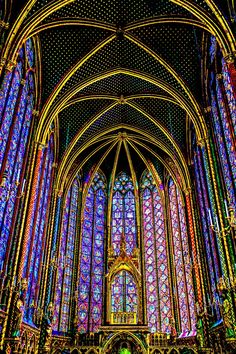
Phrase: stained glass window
(184, 294)
(8, 114)
(36, 243)
(212, 49)
(92, 258)
(65, 264)
(123, 214)
(16, 107)
(124, 293)
(223, 103)
(208, 234)
(230, 93)
(156, 262)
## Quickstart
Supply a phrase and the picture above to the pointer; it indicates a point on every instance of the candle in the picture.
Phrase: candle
(18, 176)
(217, 223)
(210, 218)
(226, 208)
(23, 186)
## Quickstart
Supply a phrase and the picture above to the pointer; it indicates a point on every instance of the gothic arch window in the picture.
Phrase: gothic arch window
(183, 289)
(124, 296)
(66, 259)
(91, 264)
(230, 92)
(16, 109)
(156, 256)
(123, 214)
(34, 256)
(223, 103)
(209, 239)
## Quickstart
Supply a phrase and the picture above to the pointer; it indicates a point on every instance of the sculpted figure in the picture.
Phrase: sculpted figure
(47, 327)
(227, 318)
(18, 307)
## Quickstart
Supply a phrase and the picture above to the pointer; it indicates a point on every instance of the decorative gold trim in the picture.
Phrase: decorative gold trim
(86, 188)
(64, 167)
(17, 37)
(224, 35)
(157, 156)
(14, 29)
(110, 194)
(46, 109)
(61, 22)
(4, 24)
(160, 126)
(172, 72)
(49, 113)
(135, 184)
(68, 181)
(81, 132)
(163, 20)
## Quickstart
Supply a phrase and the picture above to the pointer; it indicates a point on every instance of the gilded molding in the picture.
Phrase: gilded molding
(230, 58)
(10, 65)
(50, 110)
(122, 100)
(207, 109)
(35, 113)
(220, 29)
(173, 73)
(4, 24)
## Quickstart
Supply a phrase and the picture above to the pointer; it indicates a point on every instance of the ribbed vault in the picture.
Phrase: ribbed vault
(118, 73)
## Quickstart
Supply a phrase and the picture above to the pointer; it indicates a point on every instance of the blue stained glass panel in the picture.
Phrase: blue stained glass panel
(9, 110)
(123, 214)
(90, 289)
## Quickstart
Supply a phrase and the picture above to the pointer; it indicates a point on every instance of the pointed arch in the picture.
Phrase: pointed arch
(123, 214)
(16, 116)
(66, 259)
(183, 288)
(91, 262)
(156, 256)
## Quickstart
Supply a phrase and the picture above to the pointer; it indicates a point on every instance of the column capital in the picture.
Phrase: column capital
(202, 142)
(58, 192)
(10, 65)
(230, 58)
(35, 112)
(187, 191)
(4, 24)
(3, 62)
(41, 146)
(207, 109)
(219, 76)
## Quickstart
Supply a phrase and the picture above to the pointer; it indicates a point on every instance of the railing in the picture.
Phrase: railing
(158, 339)
(123, 318)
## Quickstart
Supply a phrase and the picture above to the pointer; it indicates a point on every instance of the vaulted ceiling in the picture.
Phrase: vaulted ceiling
(122, 71)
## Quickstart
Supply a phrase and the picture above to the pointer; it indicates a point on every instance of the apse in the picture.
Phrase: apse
(117, 177)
